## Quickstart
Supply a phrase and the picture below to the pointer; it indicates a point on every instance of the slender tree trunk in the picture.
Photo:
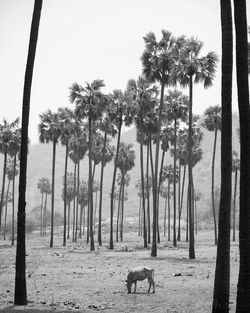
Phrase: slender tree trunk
(20, 297)
(41, 215)
(212, 189)
(182, 195)
(168, 210)
(222, 270)
(65, 195)
(111, 243)
(196, 217)
(148, 195)
(187, 218)
(179, 200)
(139, 224)
(158, 196)
(68, 219)
(122, 210)
(53, 194)
(190, 175)
(174, 185)
(13, 204)
(165, 217)
(143, 189)
(77, 197)
(84, 218)
(90, 189)
(101, 188)
(74, 204)
(80, 226)
(3, 187)
(118, 213)
(155, 180)
(95, 210)
(243, 290)
(6, 206)
(234, 205)
(45, 213)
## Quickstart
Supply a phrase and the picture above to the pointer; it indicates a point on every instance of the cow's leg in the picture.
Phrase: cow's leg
(149, 287)
(151, 282)
(135, 286)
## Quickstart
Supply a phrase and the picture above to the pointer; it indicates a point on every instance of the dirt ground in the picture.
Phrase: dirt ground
(72, 278)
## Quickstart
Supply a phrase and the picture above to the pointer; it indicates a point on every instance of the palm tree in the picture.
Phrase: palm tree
(158, 62)
(89, 103)
(243, 290)
(142, 93)
(212, 122)
(20, 277)
(235, 169)
(222, 270)
(40, 186)
(107, 155)
(68, 127)
(118, 113)
(191, 68)
(83, 201)
(125, 162)
(197, 197)
(176, 110)
(49, 129)
(7, 131)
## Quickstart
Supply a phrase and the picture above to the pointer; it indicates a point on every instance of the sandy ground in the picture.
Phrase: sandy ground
(72, 278)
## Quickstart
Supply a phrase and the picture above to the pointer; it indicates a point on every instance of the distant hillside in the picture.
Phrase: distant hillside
(40, 162)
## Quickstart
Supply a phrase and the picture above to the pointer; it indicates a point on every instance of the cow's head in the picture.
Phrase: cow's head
(129, 285)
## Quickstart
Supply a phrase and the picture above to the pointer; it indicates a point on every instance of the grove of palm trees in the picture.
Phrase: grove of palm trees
(145, 174)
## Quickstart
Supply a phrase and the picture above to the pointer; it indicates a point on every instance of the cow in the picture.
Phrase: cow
(140, 273)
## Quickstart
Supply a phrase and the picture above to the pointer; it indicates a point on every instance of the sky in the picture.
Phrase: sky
(83, 40)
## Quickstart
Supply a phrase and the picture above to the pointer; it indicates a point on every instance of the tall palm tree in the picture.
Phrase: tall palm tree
(142, 93)
(49, 129)
(235, 169)
(7, 131)
(68, 127)
(222, 270)
(107, 155)
(118, 112)
(176, 110)
(20, 277)
(158, 62)
(90, 103)
(212, 122)
(243, 290)
(191, 68)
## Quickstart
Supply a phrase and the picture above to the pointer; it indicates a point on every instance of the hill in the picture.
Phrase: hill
(40, 164)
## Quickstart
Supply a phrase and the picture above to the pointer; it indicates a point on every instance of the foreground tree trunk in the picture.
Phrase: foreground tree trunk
(3, 187)
(234, 203)
(65, 195)
(222, 271)
(53, 195)
(20, 273)
(13, 205)
(243, 291)
(213, 204)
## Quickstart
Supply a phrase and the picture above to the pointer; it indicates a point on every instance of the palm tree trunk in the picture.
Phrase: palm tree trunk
(122, 210)
(13, 203)
(182, 194)
(111, 242)
(118, 213)
(74, 205)
(190, 175)
(3, 187)
(243, 290)
(155, 180)
(90, 189)
(95, 210)
(148, 194)
(77, 197)
(222, 270)
(45, 213)
(41, 215)
(234, 205)
(68, 219)
(65, 195)
(53, 194)
(174, 182)
(101, 188)
(20, 297)
(196, 217)
(213, 204)
(168, 210)
(80, 226)
(187, 217)
(165, 217)
(6, 206)
(143, 189)
(139, 223)
(158, 196)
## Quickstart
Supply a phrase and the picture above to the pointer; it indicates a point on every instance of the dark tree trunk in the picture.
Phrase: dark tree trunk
(101, 188)
(53, 194)
(179, 201)
(111, 242)
(158, 196)
(190, 175)
(13, 204)
(68, 219)
(122, 210)
(74, 205)
(234, 205)
(20, 274)
(139, 223)
(6, 206)
(90, 189)
(118, 213)
(41, 215)
(222, 270)
(3, 187)
(45, 214)
(65, 195)
(148, 194)
(168, 210)
(143, 189)
(243, 290)
(182, 196)
(77, 197)
(212, 189)
(174, 185)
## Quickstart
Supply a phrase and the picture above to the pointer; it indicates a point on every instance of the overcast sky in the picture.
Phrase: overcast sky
(82, 40)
